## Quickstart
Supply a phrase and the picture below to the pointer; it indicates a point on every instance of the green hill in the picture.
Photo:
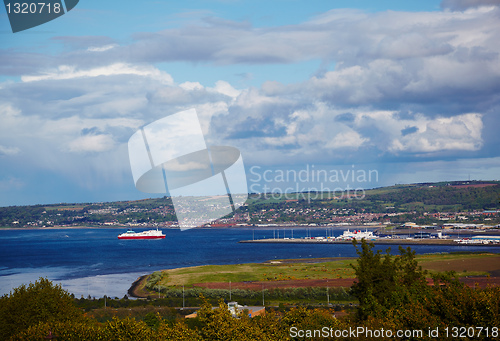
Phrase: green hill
(400, 202)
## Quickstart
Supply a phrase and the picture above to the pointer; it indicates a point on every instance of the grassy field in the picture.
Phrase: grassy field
(463, 264)
(270, 271)
(282, 270)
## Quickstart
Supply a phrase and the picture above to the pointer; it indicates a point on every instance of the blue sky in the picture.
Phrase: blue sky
(406, 88)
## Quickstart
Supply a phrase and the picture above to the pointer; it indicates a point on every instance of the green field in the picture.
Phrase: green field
(281, 270)
(271, 271)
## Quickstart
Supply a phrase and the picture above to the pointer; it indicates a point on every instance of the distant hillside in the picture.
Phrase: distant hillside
(400, 203)
(456, 196)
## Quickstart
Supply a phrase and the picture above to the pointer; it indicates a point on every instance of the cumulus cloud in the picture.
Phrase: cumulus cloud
(347, 37)
(322, 131)
(430, 63)
(382, 59)
(403, 86)
(74, 123)
(461, 132)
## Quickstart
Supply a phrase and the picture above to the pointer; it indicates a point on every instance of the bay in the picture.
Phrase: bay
(94, 262)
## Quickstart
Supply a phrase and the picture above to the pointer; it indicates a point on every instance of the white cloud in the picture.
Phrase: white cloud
(348, 37)
(225, 88)
(70, 72)
(92, 143)
(348, 139)
(191, 86)
(462, 132)
(9, 150)
(102, 48)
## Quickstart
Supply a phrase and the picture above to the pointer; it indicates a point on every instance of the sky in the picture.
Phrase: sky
(403, 91)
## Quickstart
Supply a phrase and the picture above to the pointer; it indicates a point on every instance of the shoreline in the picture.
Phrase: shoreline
(133, 291)
(375, 241)
(270, 227)
(57, 228)
(376, 229)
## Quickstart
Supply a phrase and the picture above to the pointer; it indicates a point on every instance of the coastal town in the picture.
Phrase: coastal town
(471, 205)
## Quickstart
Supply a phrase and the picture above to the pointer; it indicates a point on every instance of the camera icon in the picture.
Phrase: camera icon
(170, 156)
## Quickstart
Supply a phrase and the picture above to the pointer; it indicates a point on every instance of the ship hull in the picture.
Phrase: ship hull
(142, 237)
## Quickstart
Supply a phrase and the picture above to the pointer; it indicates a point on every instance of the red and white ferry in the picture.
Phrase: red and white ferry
(151, 234)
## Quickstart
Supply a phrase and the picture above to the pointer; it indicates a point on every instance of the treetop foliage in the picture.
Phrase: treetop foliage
(393, 290)
(38, 302)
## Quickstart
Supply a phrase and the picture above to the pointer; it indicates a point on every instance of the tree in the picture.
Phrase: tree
(385, 282)
(39, 302)
(393, 293)
(152, 320)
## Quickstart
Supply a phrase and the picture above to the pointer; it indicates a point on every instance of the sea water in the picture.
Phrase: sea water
(91, 261)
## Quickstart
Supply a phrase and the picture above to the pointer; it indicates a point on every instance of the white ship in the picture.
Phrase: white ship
(357, 234)
(151, 234)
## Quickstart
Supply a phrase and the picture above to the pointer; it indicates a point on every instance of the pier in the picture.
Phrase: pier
(381, 241)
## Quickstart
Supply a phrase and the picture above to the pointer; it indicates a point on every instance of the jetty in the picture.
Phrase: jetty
(375, 241)
(419, 238)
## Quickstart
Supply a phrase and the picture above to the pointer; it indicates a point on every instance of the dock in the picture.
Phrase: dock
(381, 241)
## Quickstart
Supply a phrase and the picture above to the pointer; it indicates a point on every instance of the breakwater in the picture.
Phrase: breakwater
(381, 241)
